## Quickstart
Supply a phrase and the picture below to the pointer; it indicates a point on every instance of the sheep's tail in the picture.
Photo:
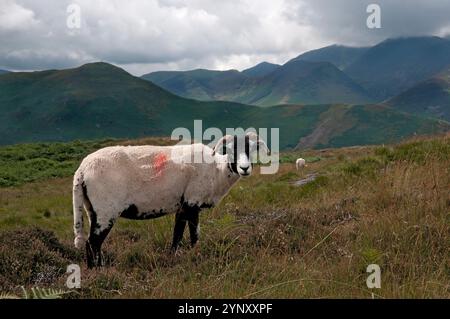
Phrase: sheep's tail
(78, 209)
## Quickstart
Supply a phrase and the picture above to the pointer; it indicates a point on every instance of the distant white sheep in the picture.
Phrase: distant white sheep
(144, 182)
(300, 162)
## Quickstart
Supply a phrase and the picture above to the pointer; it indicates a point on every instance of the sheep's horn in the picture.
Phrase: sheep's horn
(260, 142)
(221, 144)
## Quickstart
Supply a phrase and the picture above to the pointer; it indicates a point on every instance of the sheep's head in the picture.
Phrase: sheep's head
(240, 151)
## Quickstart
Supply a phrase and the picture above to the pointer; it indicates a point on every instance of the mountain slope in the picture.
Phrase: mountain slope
(302, 82)
(430, 97)
(339, 55)
(200, 84)
(94, 100)
(100, 100)
(395, 65)
(261, 69)
(368, 124)
(296, 82)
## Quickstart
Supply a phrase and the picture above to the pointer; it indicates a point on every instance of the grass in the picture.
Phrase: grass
(268, 238)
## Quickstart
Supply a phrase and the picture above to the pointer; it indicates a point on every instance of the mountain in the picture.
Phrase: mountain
(430, 97)
(99, 100)
(3, 72)
(200, 84)
(333, 74)
(93, 101)
(395, 65)
(302, 82)
(296, 82)
(339, 55)
(261, 69)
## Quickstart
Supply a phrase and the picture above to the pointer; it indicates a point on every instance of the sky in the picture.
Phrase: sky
(149, 35)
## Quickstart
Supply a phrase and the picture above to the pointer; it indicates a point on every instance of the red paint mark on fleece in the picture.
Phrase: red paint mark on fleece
(159, 163)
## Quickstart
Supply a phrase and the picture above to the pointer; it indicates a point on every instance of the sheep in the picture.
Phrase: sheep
(145, 182)
(300, 162)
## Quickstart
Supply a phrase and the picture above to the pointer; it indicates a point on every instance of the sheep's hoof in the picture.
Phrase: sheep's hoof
(181, 250)
(79, 241)
(196, 249)
(174, 250)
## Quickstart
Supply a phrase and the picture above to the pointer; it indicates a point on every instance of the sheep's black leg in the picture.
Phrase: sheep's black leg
(89, 254)
(180, 224)
(194, 229)
(92, 251)
(94, 244)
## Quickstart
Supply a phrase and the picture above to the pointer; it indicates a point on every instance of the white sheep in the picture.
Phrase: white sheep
(144, 182)
(300, 162)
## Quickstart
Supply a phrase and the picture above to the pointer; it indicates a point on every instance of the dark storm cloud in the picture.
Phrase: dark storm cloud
(345, 21)
(144, 35)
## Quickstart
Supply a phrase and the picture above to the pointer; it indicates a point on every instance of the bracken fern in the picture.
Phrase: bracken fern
(42, 293)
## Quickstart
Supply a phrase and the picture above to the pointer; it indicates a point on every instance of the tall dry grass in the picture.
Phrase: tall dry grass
(268, 238)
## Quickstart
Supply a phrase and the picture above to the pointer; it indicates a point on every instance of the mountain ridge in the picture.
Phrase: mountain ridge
(378, 72)
(294, 82)
(394, 65)
(339, 55)
(261, 69)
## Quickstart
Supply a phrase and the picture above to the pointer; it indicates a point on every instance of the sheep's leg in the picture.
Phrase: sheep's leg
(180, 224)
(89, 254)
(194, 228)
(93, 249)
(94, 244)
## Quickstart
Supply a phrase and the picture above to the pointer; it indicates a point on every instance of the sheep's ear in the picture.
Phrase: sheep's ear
(256, 143)
(223, 144)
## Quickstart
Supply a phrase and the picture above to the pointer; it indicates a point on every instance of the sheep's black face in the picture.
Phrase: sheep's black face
(239, 150)
(239, 156)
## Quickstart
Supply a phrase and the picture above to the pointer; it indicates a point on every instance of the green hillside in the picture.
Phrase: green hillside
(430, 97)
(99, 100)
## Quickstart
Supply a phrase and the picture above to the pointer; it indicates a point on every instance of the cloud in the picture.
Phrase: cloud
(344, 22)
(14, 17)
(146, 35)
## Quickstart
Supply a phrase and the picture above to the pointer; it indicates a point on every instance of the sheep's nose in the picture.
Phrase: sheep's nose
(244, 168)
